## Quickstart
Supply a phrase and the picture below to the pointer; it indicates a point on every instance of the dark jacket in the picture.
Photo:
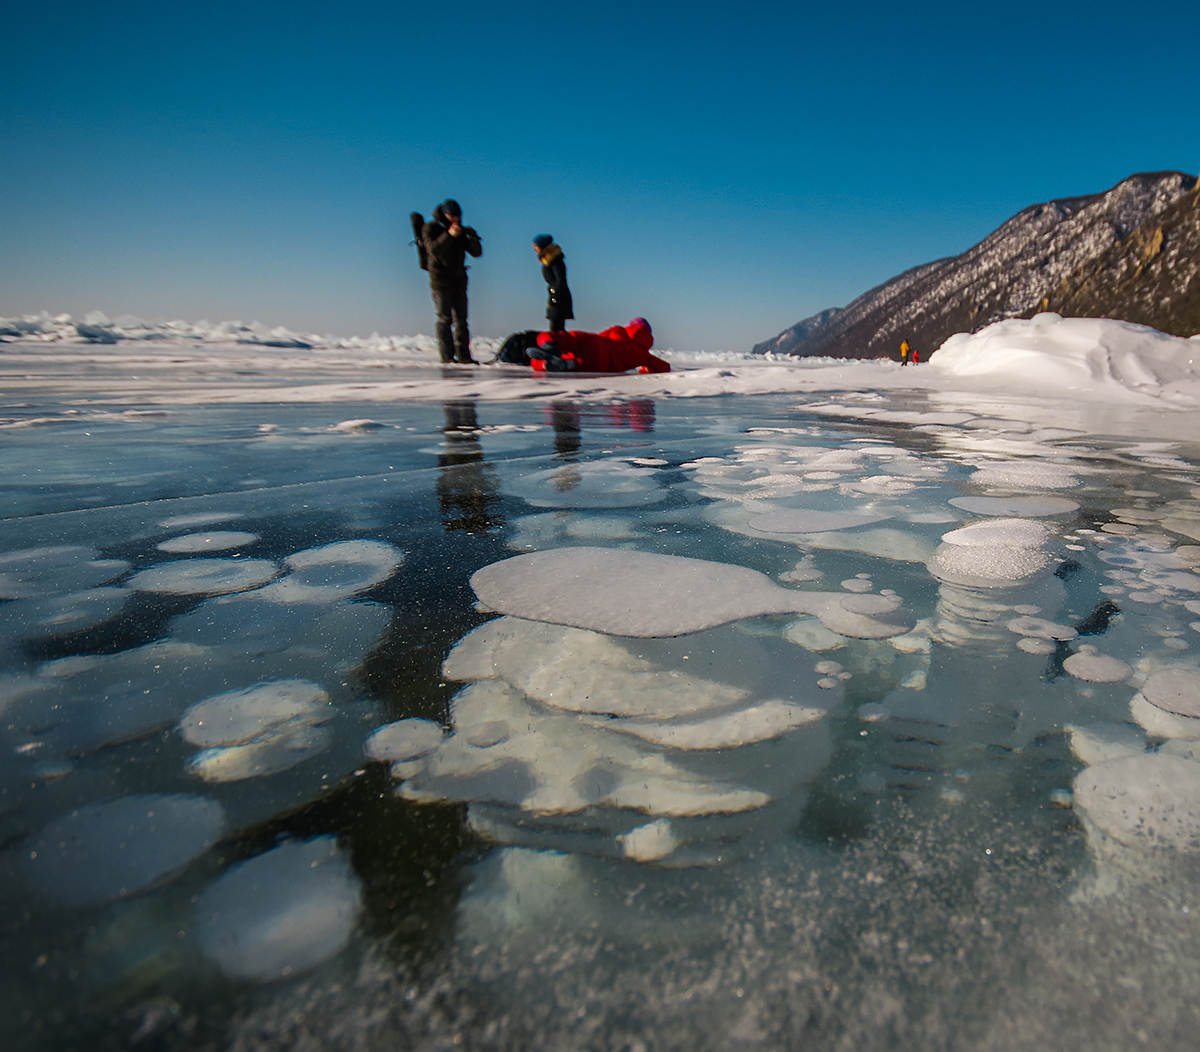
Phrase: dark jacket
(554, 270)
(447, 255)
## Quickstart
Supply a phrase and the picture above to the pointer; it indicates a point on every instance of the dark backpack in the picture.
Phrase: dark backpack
(515, 349)
(418, 224)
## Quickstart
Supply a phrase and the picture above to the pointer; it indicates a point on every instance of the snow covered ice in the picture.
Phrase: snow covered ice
(346, 698)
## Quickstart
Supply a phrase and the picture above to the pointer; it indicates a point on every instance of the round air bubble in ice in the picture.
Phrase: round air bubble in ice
(404, 740)
(1040, 628)
(1175, 690)
(1092, 667)
(812, 635)
(61, 615)
(867, 616)
(1015, 505)
(805, 521)
(1150, 801)
(204, 576)
(36, 572)
(335, 571)
(106, 851)
(1025, 474)
(199, 518)
(1009, 533)
(757, 723)
(992, 552)
(220, 540)
(240, 716)
(281, 913)
(258, 731)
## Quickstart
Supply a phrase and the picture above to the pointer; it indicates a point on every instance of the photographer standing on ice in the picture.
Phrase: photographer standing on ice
(447, 243)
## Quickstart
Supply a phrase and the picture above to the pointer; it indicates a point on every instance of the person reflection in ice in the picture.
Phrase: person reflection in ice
(636, 414)
(467, 488)
(564, 418)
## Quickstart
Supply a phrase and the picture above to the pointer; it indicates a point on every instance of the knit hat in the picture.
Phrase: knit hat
(449, 207)
(543, 241)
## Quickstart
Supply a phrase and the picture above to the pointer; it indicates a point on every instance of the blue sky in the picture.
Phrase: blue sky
(723, 170)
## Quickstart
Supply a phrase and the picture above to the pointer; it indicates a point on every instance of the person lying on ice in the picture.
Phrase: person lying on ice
(615, 350)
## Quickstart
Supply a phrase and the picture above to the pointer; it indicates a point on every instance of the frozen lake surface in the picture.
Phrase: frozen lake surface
(507, 716)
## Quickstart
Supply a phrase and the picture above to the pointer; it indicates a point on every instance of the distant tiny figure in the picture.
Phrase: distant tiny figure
(615, 350)
(447, 244)
(554, 270)
(905, 352)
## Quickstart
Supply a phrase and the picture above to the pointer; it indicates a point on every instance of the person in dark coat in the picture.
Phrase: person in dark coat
(615, 350)
(447, 244)
(554, 270)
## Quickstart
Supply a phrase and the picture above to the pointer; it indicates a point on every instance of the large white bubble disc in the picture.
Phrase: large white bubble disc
(644, 594)
(109, 850)
(1148, 801)
(1175, 690)
(1015, 505)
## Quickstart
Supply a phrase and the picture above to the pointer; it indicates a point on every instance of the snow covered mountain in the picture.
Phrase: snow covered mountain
(1131, 253)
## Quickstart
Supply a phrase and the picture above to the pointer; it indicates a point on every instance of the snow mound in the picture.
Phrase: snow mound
(1049, 354)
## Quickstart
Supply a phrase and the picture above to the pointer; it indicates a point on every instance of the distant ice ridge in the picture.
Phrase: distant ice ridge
(97, 327)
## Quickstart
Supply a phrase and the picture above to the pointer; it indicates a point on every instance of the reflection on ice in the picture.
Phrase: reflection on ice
(603, 484)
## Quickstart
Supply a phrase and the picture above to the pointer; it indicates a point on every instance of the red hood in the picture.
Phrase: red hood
(638, 330)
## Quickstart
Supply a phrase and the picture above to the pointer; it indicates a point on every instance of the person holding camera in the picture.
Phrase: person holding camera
(447, 243)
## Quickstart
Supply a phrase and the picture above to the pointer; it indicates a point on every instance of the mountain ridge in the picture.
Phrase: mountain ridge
(1131, 252)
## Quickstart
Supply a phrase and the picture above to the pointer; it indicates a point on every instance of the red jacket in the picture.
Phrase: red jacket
(615, 350)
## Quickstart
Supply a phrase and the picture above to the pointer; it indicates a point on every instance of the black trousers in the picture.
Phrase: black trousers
(453, 336)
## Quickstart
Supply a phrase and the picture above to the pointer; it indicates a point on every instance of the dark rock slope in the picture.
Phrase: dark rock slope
(1132, 253)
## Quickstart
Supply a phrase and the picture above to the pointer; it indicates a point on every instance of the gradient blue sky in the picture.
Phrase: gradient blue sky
(724, 170)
